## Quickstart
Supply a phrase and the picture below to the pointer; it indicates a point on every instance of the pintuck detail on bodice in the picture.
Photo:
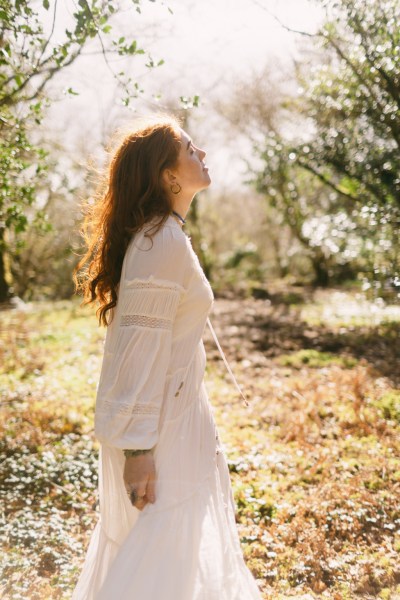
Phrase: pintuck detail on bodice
(153, 339)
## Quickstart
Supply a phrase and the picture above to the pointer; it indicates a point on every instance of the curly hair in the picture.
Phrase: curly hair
(132, 194)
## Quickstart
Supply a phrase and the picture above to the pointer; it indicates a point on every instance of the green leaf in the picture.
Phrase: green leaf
(188, 102)
(71, 92)
(132, 48)
(46, 4)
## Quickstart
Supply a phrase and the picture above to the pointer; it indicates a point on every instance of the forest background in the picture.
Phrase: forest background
(298, 107)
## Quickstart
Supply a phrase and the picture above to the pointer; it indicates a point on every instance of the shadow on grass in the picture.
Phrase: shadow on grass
(274, 330)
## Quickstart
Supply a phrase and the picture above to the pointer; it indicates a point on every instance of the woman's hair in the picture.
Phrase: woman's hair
(132, 194)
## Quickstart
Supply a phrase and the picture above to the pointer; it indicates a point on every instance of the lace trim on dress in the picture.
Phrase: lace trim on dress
(145, 321)
(152, 283)
(149, 284)
(145, 409)
(123, 408)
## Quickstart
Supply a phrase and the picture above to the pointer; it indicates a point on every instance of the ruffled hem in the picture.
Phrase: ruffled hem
(100, 555)
(190, 552)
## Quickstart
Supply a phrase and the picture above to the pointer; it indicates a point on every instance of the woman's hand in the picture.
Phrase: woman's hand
(139, 479)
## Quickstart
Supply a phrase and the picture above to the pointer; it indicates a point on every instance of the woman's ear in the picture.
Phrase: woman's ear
(168, 178)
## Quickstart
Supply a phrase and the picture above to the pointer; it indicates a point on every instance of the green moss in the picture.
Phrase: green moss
(315, 359)
(389, 405)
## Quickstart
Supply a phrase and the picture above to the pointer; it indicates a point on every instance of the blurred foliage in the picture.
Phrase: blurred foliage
(336, 180)
(325, 166)
(43, 254)
(354, 104)
(31, 56)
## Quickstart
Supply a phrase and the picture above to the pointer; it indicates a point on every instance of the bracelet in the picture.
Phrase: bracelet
(129, 453)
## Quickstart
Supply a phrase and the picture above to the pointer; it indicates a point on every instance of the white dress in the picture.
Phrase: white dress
(151, 392)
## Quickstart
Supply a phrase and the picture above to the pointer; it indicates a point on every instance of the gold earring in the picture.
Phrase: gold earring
(174, 187)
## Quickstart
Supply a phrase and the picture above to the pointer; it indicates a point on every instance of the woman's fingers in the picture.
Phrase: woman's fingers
(141, 489)
(141, 503)
(151, 484)
(145, 492)
(137, 499)
(139, 478)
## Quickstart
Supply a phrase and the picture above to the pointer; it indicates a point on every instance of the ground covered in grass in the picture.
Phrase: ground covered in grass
(314, 459)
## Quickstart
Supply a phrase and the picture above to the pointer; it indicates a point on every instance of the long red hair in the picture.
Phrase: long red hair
(132, 194)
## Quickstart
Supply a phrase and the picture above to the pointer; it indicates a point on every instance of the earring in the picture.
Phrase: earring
(175, 188)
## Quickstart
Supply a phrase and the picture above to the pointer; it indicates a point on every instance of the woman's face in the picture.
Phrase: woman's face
(191, 173)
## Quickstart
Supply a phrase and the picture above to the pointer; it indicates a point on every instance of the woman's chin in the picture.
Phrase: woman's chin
(208, 178)
(204, 184)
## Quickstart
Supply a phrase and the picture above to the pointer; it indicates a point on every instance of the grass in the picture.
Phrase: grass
(389, 405)
(314, 460)
(315, 359)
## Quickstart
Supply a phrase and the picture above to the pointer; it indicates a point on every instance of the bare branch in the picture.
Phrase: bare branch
(277, 19)
(51, 34)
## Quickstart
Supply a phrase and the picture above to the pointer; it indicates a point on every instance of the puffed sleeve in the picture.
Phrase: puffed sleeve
(136, 359)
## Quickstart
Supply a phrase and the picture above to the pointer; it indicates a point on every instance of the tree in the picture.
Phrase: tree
(262, 110)
(30, 58)
(354, 103)
(349, 137)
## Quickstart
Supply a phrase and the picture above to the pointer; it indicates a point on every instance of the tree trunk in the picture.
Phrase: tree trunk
(4, 287)
(322, 277)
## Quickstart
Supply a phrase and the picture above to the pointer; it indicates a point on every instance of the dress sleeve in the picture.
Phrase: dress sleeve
(135, 364)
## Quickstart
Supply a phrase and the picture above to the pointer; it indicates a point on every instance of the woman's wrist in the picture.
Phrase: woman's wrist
(129, 453)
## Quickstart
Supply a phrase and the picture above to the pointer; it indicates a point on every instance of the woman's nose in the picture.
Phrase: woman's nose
(202, 154)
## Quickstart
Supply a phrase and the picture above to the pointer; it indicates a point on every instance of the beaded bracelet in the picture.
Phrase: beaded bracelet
(129, 453)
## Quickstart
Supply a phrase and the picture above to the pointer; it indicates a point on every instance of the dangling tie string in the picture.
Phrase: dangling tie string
(245, 401)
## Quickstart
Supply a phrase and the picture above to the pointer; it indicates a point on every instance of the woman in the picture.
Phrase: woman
(167, 526)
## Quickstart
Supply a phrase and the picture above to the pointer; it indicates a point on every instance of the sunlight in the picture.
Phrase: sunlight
(235, 35)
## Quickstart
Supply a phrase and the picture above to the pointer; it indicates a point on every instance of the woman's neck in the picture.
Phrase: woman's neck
(178, 218)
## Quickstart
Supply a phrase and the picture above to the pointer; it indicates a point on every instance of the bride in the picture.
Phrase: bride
(167, 526)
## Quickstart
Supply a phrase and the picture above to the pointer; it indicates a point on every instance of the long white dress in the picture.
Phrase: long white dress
(151, 392)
